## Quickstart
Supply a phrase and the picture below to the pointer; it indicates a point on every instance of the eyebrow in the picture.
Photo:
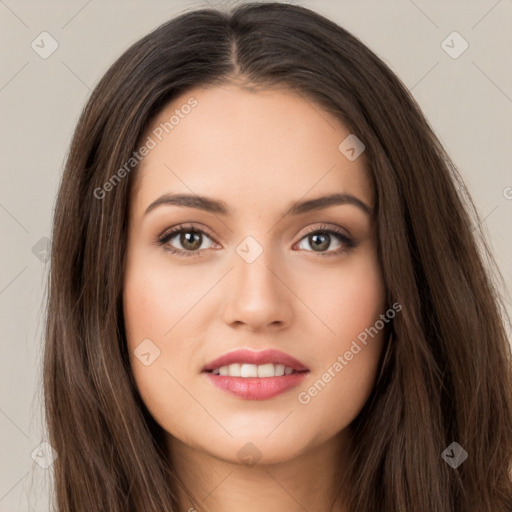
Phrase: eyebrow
(220, 207)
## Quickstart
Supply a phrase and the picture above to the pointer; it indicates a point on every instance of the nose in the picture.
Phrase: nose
(257, 294)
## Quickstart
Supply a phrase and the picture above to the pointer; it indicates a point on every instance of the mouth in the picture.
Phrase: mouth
(261, 371)
(255, 375)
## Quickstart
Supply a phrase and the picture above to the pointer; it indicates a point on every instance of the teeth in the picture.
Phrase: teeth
(269, 370)
(246, 370)
(253, 370)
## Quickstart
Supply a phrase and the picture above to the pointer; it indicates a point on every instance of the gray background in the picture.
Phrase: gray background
(468, 101)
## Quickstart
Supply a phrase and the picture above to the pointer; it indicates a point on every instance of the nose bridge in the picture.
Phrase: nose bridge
(254, 259)
(256, 293)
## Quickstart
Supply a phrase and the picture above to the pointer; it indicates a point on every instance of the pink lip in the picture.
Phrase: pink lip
(256, 388)
(256, 357)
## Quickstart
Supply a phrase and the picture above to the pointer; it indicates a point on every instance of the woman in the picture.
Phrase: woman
(265, 291)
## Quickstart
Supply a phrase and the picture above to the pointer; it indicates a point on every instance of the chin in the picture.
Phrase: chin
(258, 448)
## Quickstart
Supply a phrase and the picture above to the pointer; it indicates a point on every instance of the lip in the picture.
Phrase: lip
(256, 388)
(256, 357)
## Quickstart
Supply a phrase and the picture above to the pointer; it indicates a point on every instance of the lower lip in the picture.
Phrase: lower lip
(256, 388)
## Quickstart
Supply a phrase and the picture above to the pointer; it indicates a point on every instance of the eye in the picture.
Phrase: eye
(320, 239)
(189, 237)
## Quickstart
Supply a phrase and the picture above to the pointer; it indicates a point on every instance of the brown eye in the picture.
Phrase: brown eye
(188, 239)
(320, 240)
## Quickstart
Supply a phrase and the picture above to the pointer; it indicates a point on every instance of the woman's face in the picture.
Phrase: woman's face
(260, 265)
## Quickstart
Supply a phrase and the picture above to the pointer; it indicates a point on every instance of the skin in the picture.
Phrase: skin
(258, 151)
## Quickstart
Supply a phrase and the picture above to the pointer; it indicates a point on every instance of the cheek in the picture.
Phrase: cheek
(144, 301)
(153, 305)
(146, 317)
(161, 303)
(350, 306)
(347, 299)
(157, 297)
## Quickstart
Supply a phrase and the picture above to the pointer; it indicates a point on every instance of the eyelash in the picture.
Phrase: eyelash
(348, 242)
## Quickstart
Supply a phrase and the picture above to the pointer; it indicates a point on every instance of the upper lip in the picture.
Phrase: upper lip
(256, 357)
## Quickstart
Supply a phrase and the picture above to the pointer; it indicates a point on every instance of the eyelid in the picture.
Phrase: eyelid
(328, 227)
(183, 227)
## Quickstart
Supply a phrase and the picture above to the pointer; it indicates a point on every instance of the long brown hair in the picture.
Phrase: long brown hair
(446, 376)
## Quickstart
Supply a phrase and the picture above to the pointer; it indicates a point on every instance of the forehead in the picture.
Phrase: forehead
(248, 147)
